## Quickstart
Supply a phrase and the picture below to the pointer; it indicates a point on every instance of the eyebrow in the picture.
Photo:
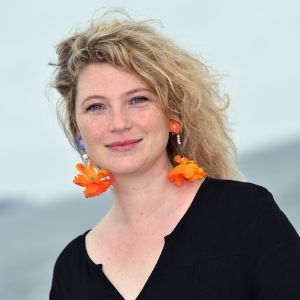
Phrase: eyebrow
(128, 93)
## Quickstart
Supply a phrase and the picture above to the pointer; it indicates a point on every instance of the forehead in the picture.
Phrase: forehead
(105, 78)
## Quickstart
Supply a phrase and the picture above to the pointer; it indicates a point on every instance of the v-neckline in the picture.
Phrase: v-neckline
(167, 238)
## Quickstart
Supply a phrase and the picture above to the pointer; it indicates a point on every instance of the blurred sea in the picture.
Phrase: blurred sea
(33, 236)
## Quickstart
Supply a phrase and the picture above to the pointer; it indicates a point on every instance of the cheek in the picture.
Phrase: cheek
(162, 124)
(159, 125)
(91, 132)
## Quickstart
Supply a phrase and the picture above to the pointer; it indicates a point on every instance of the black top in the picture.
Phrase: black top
(232, 243)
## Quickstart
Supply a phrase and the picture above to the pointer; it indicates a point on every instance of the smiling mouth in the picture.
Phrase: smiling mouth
(123, 145)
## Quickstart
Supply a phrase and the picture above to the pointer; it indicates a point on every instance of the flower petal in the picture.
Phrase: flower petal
(177, 159)
(178, 181)
(95, 189)
(91, 170)
(90, 190)
(82, 169)
(102, 173)
(172, 175)
(188, 171)
(80, 180)
(103, 182)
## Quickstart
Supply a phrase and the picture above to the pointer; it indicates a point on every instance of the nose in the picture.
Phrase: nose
(119, 121)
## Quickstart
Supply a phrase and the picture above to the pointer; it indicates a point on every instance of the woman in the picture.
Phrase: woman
(134, 100)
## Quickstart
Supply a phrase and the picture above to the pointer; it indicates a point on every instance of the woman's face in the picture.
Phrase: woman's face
(123, 128)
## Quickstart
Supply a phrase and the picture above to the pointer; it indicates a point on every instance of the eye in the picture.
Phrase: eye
(96, 107)
(137, 100)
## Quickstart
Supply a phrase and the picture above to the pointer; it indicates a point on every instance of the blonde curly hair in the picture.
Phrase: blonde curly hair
(186, 89)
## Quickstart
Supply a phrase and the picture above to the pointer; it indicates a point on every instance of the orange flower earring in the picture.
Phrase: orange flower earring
(186, 169)
(95, 181)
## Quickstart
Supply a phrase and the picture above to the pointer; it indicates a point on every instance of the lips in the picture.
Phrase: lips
(121, 146)
(123, 143)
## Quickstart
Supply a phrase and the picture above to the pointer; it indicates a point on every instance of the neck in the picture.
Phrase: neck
(143, 198)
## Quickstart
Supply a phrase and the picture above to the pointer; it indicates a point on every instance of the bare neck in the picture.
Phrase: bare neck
(142, 195)
(148, 198)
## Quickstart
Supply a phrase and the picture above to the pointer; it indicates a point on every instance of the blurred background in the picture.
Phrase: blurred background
(255, 45)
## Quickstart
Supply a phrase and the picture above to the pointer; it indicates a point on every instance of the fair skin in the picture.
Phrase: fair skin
(116, 106)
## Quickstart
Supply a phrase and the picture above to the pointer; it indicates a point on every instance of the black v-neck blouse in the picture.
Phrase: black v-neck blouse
(233, 243)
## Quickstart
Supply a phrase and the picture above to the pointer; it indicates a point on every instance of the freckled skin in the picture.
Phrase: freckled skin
(118, 117)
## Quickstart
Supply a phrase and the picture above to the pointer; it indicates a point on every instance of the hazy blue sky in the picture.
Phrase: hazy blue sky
(256, 43)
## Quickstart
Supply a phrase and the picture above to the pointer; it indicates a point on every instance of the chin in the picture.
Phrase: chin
(126, 168)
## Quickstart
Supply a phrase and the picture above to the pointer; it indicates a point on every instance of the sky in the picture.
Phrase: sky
(255, 45)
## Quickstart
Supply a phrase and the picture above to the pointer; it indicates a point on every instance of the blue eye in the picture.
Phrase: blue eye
(95, 107)
(137, 100)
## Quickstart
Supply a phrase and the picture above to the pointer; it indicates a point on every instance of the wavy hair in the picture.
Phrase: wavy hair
(186, 89)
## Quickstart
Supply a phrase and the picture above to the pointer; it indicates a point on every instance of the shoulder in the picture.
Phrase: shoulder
(241, 194)
(236, 203)
(240, 213)
(70, 255)
(69, 269)
(236, 188)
